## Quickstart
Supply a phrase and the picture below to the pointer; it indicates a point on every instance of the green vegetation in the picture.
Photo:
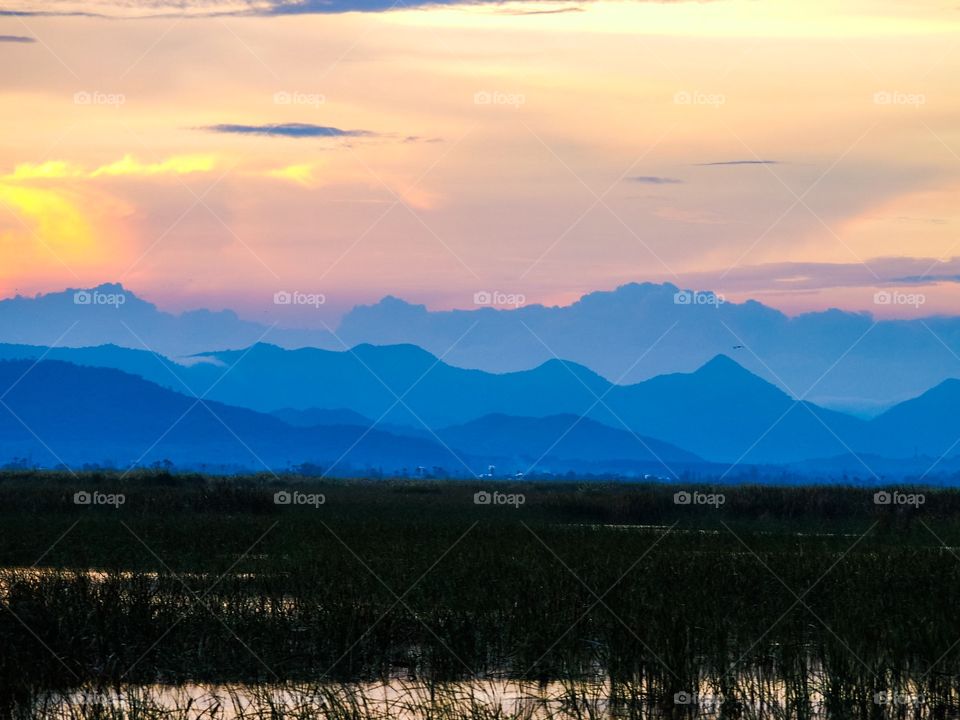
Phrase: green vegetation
(612, 599)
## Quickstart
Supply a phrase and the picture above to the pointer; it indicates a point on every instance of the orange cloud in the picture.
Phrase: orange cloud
(128, 165)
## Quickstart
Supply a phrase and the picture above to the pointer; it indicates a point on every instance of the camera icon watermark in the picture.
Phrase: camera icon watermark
(284, 297)
(95, 97)
(285, 97)
(896, 97)
(97, 298)
(698, 97)
(498, 498)
(84, 497)
(495, 298)
(294, 497)
(707, 702)
(896, 297)
(684, 497)
(496, 97)
(898, 699)
(689, 297)
(895, 497)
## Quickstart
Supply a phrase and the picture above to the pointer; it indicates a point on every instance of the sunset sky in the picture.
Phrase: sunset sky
(210, 154)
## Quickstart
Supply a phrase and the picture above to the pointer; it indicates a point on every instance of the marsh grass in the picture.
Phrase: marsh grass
(601, 601)
(474, 700)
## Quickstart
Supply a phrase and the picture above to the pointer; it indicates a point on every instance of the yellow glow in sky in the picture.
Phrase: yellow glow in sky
(128, 165)
(46, 222)
(547, 149)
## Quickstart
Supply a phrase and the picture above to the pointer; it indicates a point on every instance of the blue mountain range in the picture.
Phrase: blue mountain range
(840, 360)
(396, 408)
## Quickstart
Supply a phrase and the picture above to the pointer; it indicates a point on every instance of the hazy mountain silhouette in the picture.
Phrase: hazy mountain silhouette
(927, 425)
(558, 443)
(321, 416)
(94, 316)
(721, 412)
(152, 366)
(724, 412)
(871, 467)
(56, 412)
(837, 359)
(545, 443)
(400, 384)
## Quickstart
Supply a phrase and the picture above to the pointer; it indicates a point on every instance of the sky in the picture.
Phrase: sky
(212, 154)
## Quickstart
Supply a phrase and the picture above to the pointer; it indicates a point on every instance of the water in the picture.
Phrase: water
(403, 699)
(752, 692)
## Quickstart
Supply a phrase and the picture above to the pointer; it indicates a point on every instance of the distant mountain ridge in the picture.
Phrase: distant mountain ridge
(537, 442)
(111, 314)
(57, 413)
(837, 359)
(721, 413)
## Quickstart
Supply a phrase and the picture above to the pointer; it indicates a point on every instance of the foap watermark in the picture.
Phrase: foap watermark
(897, 297)
(95, 97)
(284, 297)
(689, 297)
(898, 699)
(498, 498)
(95, 297)
(896, 97)
(294, 97)
(295, 497)
(895, 497)
(496, 97)
(707, 702)
(497, 298)
(84, 497)
(698, 97)
(714, 500)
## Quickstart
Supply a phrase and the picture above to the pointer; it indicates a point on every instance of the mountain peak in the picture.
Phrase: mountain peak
(722, 363)
(566, 368)
(722, 369)
(393, 350)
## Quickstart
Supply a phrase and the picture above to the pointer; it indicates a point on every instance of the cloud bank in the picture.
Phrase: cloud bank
(739, 162)
(214, 8)
(655, 180)
(289, 130)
